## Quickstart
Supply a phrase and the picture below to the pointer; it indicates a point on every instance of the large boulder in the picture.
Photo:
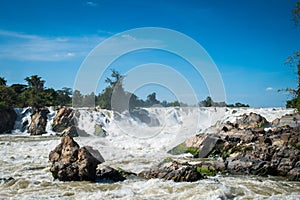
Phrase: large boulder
(109, 174)
(251, 121)
(291, 120)
(200, 145)
(144, 116)
(38, 122)
(173, 170)
(64, 123)
(7, 120)
(63, 119)
(72, 163)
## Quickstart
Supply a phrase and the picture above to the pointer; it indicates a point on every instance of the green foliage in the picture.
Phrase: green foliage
(294, 62)
(182, 148)
(2, 81)
(207, 171)
(208, 102)
(7, 97)
(33, 94)
(295, 145)
(296, 13)
(238, 105)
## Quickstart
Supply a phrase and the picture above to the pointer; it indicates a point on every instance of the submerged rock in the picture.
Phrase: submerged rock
(38, 122)
(72, 163)
(109, 174)
(7, 120)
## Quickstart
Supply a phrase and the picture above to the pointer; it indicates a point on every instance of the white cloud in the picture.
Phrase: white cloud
(26, 47)
(129, 37)
(20, 46)
(91, 3)
(269, 89)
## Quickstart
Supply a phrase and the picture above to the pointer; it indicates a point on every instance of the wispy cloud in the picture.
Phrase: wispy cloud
(20, 46)
(269, 89)
(27, 47)
(91, 3)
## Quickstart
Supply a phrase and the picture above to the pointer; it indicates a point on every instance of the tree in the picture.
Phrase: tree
(118, 78)
(2, 81)
(208, 102)
(35, 92)
(35, 82)
(7, 97)
(296, 12)
(77, 99)
(151, 99)
(64, 96)
(294, 61)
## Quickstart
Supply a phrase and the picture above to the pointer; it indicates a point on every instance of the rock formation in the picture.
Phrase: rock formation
(173, 170)
(72, 163)
(38, 122)
(7, 120)
(64, 123)
(245, 147)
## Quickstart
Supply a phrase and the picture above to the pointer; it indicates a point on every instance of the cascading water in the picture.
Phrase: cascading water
(132, 144)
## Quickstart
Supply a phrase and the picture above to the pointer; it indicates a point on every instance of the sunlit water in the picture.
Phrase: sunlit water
(25, 158)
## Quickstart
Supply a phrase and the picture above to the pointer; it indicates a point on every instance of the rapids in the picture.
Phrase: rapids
(132, 145)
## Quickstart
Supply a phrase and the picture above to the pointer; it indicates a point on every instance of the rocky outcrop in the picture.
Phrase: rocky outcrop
(63, 119)
(245, 147)
(38, 122)
(144, 116)
(72, 163)
(200, 145)
(291, 120)
(251, 121)
(64, 123)
(7, 120)
(173, 170)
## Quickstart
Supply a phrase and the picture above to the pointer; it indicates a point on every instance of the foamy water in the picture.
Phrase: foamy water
(25, 158)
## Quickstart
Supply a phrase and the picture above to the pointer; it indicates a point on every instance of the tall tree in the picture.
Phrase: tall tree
(35, 82)
(294, 61)
(2, 81)
(35, 92)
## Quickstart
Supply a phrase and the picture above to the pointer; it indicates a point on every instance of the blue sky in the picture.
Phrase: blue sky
(249, 41)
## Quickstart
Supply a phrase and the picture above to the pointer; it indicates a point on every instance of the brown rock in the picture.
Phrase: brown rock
(38, 122)
(72, 163)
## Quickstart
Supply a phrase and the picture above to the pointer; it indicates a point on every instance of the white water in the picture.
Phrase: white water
(133, 146)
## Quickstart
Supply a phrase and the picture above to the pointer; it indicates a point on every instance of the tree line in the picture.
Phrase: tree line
(34, 94)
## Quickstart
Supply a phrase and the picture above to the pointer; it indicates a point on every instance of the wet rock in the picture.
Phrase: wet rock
(7, 120)
(246, 148)
(251, 121)
(72, 163)
(144, 116)
(291, 120)
(200, 145)
(64, 123)
(174, 170)
(38, 122)
(99, 131)
(63, 119)
(6, 180)
(108, 174)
